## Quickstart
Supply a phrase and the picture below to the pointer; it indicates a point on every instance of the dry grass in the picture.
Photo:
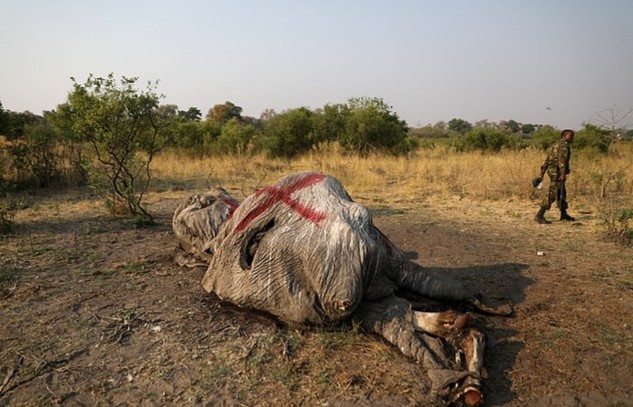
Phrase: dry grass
(94, 312)
(438, 171)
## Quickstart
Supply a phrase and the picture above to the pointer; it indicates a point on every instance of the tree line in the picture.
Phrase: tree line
(109, 129)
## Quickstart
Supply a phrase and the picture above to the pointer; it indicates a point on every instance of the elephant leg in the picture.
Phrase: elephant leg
(469, 346)
(392, 319)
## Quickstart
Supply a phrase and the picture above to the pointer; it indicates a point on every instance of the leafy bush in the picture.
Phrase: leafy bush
(330, 122)
(289, 133)
(6, 226)
(486, 139)
(545, 136)
(460, 126)
(619, 225)
(593, 137)
(123, 128)
(5, 213)
(371, 125)
(235, 137)
(35, 156)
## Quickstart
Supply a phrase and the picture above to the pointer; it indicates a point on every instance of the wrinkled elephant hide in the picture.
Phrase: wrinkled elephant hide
(305, 252)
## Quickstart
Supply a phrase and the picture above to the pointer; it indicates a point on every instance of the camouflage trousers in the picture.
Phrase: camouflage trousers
(556, 193)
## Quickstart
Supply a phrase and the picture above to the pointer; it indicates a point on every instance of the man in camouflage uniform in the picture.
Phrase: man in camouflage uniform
(557, 167)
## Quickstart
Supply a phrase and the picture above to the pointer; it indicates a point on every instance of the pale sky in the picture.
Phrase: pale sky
(556, 62)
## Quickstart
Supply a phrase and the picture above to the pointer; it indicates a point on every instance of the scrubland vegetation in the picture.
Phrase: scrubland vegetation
(120, 141)
(599, 182)
(95, 311)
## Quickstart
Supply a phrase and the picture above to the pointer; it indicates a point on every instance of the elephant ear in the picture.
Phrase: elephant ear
(300, 249)
(197, 221)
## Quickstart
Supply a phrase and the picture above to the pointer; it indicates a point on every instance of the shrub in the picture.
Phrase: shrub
(123, 128)
(545, 136)
(372, 126)
(290, 133)
(593, 137)
(5, 213)
(486, 139)
(619, 225)
(35, 157)
(235, 137)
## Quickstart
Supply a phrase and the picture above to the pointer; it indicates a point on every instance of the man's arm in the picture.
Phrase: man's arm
(563, 161)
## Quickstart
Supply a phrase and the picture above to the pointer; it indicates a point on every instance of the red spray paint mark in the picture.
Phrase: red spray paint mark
(275, 195)
(231, 203)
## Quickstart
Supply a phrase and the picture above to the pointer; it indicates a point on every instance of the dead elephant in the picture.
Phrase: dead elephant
(305, 252)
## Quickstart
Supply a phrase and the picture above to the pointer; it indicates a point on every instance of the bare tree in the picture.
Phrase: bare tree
(614, 119)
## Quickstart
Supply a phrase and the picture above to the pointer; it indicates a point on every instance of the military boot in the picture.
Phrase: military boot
(565, 216)
(540, 217)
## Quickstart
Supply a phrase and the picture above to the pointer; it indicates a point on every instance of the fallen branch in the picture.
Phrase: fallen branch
(10, 374)
(45, 367)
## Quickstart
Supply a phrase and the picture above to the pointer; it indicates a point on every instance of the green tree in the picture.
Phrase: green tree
(510, 126)
(330, 122)
(34, 155)
(235, 136)
(484, 139)
(167, 112)
(5, 222)
(461, 126)
(222, 113)
(289, 133)
(595, 137)
(192, 114)
(371, 125)
(528, 128)
(4, 121)
(187, 134)
(121, 124)
(16, 122)
(210, 133)
(545, 136)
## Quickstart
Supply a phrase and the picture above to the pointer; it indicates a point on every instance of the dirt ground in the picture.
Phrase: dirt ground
(95, 312)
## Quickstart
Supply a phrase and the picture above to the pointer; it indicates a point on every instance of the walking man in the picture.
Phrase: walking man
(557, 167)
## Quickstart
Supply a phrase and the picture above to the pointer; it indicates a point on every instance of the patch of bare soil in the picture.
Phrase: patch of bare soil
(95, 312)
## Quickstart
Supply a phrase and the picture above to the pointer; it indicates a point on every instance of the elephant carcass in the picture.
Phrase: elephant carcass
(197, 221)
(305, 252)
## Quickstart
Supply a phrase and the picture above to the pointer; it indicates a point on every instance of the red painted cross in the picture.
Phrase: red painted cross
(275, 195)
(231, 203)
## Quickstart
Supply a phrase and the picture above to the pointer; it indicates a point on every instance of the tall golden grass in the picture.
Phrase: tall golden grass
(439, 171)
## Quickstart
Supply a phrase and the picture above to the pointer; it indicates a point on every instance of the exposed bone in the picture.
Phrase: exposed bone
(472, 345)
(439, 323)
(504, 310)
(392, 319)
